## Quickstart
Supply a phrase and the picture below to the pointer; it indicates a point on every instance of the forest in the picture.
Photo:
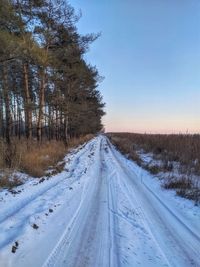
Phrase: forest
(47, 89)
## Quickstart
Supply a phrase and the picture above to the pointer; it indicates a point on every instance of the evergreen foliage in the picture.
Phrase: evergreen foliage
(47, 90)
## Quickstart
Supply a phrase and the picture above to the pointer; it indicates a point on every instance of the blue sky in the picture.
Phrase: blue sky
(149, 53)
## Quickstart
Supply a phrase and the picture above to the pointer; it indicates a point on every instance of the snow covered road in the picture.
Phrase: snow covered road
(102, 210)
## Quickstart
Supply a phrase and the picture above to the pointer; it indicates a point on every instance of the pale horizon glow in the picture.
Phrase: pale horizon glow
(149, 53)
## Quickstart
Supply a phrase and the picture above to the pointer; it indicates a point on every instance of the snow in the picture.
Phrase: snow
(102, 210)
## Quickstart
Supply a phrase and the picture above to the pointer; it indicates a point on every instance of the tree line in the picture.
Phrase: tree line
(47, 89)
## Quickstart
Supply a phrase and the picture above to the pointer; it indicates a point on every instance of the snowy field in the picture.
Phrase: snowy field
(102, 210)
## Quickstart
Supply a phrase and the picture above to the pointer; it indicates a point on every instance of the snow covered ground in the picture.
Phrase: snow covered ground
(102, 210)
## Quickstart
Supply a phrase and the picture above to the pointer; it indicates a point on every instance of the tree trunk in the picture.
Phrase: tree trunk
(27, 104)
(56, 132)
(66, 137)
(41, 107)
(5, 88)
(1, 117)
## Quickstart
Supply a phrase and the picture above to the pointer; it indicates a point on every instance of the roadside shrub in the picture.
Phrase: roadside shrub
(167, 166)
(134, 156)
(154, 169)
(193, 194)
(180, 183)
(6, 181)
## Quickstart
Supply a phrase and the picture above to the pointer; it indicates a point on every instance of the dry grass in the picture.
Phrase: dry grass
(74, 142)
(37, 159)
(184, 187)
(183, 149)
(6, 181)
(182, 182)
(155, 169)
(193, 193)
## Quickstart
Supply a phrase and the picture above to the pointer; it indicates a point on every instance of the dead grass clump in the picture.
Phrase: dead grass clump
(167, 166)
(193, 193)
(122, 144)
(177, 183)
(74, 142)
(134, 156)
(184, 188)
(6, 181)
(154, 169)
(39, 157)
(127, 148)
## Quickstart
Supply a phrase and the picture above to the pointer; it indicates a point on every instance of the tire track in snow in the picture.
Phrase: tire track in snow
(11, 211)
(66, 240)
(195, 235)
(114, 259)
(186, 249)
(112, 214)
(132, 200)
(181, 220)
(18, 217)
